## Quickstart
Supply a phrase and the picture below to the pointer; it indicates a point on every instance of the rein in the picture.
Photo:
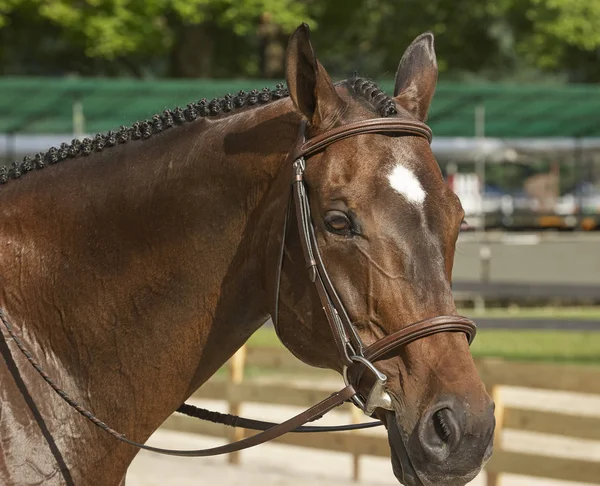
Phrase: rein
(356, 358)
(270, 430)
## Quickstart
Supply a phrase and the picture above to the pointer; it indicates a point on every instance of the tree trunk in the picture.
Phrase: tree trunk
(272, 48)
(193, 52)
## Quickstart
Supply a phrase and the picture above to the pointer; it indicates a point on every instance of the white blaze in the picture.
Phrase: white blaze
(406, 183)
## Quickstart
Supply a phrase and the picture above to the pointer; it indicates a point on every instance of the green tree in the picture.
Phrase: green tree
(502, 39)
(131, 34)
(371, 35)
(556, 35)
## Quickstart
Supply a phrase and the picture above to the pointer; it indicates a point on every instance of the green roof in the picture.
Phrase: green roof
(45, 105)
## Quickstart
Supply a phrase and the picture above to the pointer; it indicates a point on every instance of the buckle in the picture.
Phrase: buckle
(378, 396)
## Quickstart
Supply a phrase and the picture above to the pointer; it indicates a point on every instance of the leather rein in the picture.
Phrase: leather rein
(355, 357)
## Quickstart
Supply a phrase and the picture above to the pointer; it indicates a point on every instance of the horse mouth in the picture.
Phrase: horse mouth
(402, 466)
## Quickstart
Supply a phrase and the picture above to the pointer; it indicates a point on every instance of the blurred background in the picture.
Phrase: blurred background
(517, 136)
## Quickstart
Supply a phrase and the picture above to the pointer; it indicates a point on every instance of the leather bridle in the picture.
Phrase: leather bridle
(355, 357)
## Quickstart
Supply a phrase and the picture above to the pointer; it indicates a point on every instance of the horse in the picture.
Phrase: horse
(135, 264)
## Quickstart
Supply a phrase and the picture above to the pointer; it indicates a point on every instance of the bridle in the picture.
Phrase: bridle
(355, 357)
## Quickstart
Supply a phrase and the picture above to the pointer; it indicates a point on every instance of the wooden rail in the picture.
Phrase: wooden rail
(495, 373)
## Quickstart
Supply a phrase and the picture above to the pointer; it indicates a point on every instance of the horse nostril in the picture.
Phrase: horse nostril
(441, 426)
(451, 437)
(440, 434)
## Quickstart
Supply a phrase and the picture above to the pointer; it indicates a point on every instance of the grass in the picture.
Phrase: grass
(264, 338)
(578, 313)
(550, 346)
(546, 346)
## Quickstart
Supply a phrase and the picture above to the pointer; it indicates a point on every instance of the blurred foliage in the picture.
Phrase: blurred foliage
(555, 34)
(119, 27)
(135, 36)
(504, 39)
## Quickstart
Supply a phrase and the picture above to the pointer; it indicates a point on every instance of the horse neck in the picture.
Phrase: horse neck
(139, 268)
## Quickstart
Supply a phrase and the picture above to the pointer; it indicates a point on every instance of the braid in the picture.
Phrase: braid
(142, 130)
(378, 99)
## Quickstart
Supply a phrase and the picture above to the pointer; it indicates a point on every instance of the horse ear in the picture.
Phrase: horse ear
(416, 77)
(310, 87)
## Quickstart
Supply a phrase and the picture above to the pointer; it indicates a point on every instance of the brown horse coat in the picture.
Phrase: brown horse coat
(135, 272)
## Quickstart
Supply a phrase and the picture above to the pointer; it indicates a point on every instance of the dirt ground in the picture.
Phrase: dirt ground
(282, 465)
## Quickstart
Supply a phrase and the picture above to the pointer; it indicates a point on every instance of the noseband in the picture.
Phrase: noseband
(356, 358)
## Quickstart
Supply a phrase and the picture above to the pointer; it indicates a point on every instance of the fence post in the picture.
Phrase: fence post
(236, 377)
(356, 416)
(494, 478)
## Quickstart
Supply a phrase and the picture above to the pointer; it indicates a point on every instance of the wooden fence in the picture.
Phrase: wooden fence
(495, 373)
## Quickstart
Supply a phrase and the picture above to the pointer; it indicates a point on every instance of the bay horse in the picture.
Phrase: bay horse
(136, 263)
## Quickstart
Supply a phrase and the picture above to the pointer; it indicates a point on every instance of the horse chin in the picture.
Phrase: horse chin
(401, 463)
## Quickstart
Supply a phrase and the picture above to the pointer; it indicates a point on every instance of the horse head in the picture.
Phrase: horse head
(386, 225)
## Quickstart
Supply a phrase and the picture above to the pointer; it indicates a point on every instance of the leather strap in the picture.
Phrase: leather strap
(317, 272)
(313, 413)
(254, 424)
(375, 125)
(386, 346)
(289, 425)
(419, 330)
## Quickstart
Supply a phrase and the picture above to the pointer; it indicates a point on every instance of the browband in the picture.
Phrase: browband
(375, 125)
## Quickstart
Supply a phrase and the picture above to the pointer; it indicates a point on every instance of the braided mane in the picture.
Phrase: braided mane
(369, 91)
(143, 130)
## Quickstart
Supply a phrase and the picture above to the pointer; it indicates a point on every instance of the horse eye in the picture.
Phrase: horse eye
(338, 222)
